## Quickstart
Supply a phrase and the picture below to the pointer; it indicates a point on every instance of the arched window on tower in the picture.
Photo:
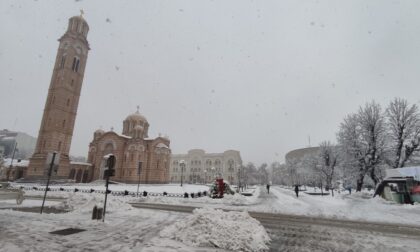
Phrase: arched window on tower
(68, 102)
(75, 65)
(59, 146)
(64, 123)
(63, 61)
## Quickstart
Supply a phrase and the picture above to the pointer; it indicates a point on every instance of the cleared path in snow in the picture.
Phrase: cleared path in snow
(306, 233)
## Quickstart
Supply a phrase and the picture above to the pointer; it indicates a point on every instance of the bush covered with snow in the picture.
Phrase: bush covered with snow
(208, 227)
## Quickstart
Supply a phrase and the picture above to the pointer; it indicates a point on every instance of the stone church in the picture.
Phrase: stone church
(132, 149)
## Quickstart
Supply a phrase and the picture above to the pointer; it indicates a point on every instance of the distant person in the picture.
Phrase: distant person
(268, 188)
(349, 188)
(297, 191)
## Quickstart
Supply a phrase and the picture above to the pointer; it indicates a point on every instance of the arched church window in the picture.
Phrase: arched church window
(75, 65)
(64, 123)
(68, 102)
(59, 146)
(63, 61)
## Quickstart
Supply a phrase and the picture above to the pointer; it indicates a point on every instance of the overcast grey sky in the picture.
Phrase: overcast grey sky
(256, 76)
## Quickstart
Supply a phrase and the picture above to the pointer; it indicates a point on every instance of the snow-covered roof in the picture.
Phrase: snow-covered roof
(404, 172)
(162, 145)
(80, 163)
(22, 163)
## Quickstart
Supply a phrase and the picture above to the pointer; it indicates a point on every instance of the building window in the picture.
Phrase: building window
(75, 65)
(72, 82)
(59, 146)
(68, 102)
(64, 124)
(63, 61)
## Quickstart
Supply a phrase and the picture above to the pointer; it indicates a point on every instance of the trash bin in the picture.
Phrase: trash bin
(97, 213)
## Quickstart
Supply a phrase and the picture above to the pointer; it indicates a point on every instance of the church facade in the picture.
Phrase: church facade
(138, 157)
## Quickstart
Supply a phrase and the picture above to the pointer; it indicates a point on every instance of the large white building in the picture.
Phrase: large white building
(202, 167)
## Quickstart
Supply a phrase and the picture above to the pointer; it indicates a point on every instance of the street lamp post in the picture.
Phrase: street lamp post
(212, 171)
(239, 178)
(205, 176)
(182, 164)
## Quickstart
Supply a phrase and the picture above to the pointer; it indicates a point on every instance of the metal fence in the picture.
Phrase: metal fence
(116, 193)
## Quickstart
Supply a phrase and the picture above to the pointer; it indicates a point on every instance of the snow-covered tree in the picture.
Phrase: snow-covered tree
(263, 174)
(403, 121)
(328, 160)
(362, 139)
(278, 173)
(250, 174)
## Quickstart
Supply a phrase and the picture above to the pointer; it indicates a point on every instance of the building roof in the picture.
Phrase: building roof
(136, 116)
(80, 163)
(22, 163)
(404, 172)
(162, 145)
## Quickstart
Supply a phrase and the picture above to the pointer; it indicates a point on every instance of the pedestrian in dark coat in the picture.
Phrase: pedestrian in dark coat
(297, 191)
(268, 188)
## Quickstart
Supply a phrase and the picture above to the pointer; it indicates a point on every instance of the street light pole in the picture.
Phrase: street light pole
(182, 164)
(138, 173)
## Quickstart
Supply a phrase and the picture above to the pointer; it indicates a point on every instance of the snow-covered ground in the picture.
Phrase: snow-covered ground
(125, 228)
(355, 206)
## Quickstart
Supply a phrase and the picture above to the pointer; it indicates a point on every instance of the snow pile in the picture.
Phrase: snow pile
(84, 203)
(235, 199)
(208, 227)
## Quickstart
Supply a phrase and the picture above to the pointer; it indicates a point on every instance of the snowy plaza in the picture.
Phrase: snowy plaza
(128, 228)
(209, 126)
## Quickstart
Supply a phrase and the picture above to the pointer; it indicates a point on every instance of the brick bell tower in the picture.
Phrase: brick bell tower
(60, 110)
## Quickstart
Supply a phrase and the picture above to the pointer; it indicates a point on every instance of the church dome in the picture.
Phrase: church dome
(135, 125)
(138, 127)
(99, 131)
(136, 117)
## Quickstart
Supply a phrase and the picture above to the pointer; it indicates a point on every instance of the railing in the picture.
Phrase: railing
(116, 193)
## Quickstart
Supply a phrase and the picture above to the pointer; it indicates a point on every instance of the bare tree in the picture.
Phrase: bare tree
(404, 131)
(328, 156)
(262, 174)
(362, 139)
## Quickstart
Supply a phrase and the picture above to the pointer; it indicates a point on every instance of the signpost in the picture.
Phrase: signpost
(110, 172)
(138, 173)
(52, 160)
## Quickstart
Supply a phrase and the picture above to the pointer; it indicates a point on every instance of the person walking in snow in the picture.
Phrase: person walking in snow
(268, 188)
(297, 191)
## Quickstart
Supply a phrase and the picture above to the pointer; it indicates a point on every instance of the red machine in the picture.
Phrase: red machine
(220, 187)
